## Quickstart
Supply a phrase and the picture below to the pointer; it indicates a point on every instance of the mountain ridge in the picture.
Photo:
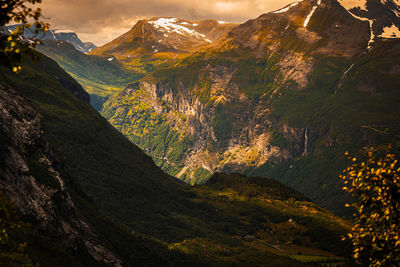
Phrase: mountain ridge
(237, 106)
(60, 35)
(134, 210)
(161, 41)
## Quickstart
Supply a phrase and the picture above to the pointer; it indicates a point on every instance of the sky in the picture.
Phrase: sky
(100, 21)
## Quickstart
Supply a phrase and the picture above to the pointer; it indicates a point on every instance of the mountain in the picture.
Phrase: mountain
(32, 178)
(90, 46)
(59, 35)
(108, 69)
(99, 76)
(283, 95)
(162, 40)
(91, 198)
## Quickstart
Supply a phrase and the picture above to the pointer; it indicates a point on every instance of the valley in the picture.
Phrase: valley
(277, 96)
(113, 205)
(197, 142)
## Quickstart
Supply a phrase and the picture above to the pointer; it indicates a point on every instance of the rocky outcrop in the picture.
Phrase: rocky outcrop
(275, 95)
(30, 174)
(226, 132)
(296, 67)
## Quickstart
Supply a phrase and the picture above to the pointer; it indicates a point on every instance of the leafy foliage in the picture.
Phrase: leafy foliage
(18, 11)
(375, 185)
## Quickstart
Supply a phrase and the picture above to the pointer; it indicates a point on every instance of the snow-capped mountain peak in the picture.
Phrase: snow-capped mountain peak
(165, 35)
(57, 35)
(177, 26)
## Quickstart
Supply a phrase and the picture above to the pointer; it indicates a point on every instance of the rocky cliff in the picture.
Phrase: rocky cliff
(75, 178)
(31, 177)
(282, 96)
(229, 131)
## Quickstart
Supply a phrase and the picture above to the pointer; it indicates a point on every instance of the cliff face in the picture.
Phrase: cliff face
(30, 176)
(90, 194)
(219, 127)
(281, 96)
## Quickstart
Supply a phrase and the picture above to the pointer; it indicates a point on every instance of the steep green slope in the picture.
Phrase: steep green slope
(358, 111)
(32, 165)
(276, 98)
(144, 127)
(161, 220)
(100, 77)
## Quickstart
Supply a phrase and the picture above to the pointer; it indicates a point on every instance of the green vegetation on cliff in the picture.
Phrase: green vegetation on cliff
(339, 104)
(146, 216)
(100, 77)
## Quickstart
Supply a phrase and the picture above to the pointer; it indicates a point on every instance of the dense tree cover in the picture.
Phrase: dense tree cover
(22, 13)
(375, 185)
(255, 186)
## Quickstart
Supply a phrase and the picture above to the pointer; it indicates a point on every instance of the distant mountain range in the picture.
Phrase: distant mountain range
(101, 77)
(281, 96)
(163, 40)
(58, 35)
(165, 35)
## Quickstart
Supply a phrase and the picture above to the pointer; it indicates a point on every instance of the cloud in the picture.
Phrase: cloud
(100, 21)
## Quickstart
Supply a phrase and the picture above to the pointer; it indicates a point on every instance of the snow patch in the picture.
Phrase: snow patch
(222, 22)
(155, 51)
(110, 59)
(390, 32)
(208, 40)
(63, 31)
(286, 8)
(170, 24)
(311, 13)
